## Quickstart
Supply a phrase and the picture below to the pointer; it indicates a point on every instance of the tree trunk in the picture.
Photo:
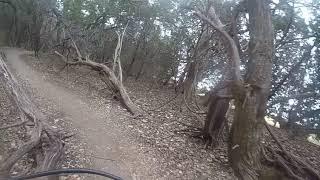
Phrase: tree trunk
(139, 73)
(244, 148)
(134, 57)
(189, 83)
(36, 29)
(218, 101)
(47, 140)
(182, 77)
(215, 120)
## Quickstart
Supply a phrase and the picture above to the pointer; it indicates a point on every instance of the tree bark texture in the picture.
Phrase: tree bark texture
(216, 119)
(251, 99)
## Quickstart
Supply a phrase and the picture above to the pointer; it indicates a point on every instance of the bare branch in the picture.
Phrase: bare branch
(77, 50)
(305, 57)
(294, 39)
(296, 96)
(286, 30)
(117, 52)
(119, 89)
(215, 23)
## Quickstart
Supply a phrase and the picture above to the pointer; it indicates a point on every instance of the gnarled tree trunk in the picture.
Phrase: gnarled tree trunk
(247, 127)
(216, 119)
(245, 150)
(218, 102)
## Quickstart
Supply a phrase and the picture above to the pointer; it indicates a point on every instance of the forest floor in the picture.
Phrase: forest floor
(77, 101)
(107, 137)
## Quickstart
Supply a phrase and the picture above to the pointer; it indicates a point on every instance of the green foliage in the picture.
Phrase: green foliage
(74, 10)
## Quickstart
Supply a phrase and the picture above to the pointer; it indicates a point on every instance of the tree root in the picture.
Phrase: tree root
(41, 132)
(294, 167)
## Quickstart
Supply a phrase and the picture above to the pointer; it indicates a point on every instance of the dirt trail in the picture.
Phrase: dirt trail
(120, 156)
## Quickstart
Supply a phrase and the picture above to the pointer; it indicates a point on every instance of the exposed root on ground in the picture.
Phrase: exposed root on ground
(43, 139)
(293, 166)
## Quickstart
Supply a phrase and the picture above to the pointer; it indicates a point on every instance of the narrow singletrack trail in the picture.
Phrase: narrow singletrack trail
(120, 156)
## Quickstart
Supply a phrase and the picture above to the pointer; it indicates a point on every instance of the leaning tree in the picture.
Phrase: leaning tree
(250, 94)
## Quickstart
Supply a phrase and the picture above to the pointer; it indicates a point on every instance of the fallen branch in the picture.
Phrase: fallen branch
(118, 86)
